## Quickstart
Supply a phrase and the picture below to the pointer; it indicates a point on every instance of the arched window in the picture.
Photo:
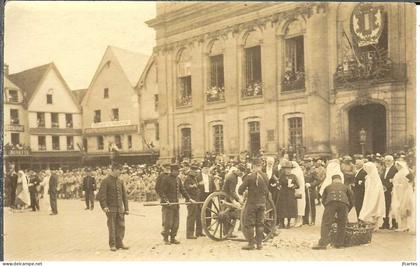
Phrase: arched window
(294, 64)
(216, 89)
(253, 73)
(184, 89)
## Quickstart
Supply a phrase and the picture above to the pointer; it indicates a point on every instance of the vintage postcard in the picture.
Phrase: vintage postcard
(209, 131)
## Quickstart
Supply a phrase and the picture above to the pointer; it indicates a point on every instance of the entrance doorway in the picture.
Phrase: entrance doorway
(254, 138)
(372, 118)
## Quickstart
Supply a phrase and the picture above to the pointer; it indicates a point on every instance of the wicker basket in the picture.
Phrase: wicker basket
(355, 234)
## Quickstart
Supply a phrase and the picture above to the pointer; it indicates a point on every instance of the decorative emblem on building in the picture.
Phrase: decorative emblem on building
(367, 23)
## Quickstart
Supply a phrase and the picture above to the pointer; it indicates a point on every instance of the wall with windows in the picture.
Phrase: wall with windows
(15, 118)
(272, 62)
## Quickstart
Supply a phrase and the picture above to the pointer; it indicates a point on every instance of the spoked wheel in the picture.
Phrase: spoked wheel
(217, 218)
(270, 218)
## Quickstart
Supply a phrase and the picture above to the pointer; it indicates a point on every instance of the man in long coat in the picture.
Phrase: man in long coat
(52, 191)
(113, 199)
(359, 186)
(311, 183)
(89, 188)
(387, 179)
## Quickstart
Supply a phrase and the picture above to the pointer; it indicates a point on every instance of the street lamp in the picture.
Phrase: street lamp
(362, 138)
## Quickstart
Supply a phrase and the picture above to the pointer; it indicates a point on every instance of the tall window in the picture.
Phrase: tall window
(216, 91)
(97, 116)
(186, 142)
(184, 79)
(13, 96)
(14, 116)
(70, 143)
(54, 120)
(130, 141)
(294, 62)
(218, 138)
(42, 146)
(49, 99)
(156, 102)
(117, 141)
(115, 114)
(295, 131)
(15, 138)
(186, 90)
(254, 138)
(157, 131)
(100, 142)
(40, 119)
(69, 120)
(106, 93)
(56, 143)
(253, 76)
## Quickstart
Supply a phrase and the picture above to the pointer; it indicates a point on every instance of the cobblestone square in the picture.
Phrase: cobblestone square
(78, 235)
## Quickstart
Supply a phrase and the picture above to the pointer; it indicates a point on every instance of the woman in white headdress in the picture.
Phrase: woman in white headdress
(402, 196)
(22, 191)
(373, 207)
(333, 168)
(297, 171)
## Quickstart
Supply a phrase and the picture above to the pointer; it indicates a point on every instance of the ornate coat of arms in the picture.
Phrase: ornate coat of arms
(367, 22)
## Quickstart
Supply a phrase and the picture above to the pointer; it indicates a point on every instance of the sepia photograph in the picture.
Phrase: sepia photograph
(209, 131)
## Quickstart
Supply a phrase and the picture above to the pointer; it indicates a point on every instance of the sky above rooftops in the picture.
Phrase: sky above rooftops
(74, 35)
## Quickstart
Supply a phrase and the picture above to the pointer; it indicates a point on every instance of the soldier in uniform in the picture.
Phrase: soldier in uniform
(191, 185)
(229, 187)
(33, 185)
(89, 187)
(168, 185)
(311, 182)
(52, 191)
(337, 200)
(112, 197)
(254, 210)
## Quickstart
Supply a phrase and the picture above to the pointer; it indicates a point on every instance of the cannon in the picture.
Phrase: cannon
(219, 217)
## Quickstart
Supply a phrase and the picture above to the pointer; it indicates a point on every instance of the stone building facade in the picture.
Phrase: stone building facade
(236, 77)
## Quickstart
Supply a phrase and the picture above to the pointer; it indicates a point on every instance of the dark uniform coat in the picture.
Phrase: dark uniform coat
(229, 186)
(113, 195)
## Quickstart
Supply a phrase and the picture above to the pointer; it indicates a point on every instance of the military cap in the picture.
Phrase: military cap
(174, 166)
(336, 177)
(257, 162)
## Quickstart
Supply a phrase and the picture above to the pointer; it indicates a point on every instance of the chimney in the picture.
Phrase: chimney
(6, 70)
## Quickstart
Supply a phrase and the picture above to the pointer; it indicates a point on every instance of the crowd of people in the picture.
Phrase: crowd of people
(382, 186)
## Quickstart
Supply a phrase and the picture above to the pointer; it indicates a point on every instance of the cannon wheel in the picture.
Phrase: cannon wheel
(269, 219)
(214, 217)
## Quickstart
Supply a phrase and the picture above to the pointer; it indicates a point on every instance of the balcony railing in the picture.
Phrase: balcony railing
(12, 100)
(215, 94)
(69, 124)
(184, 101)
(253, 89)
(54, 125)
(14, 121)
(42, 147)
(56, 147)
(293, 81)
(40, 124)
(371, 72)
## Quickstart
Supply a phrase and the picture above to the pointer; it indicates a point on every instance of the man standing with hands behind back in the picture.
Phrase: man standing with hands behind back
(113, 200)
(52, 190)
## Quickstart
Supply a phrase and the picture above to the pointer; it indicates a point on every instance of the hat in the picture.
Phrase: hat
(286, 164)
(174, 166)
(307, 159)
(336, 177)
(88, 169)
(347, 158)
(257, 162)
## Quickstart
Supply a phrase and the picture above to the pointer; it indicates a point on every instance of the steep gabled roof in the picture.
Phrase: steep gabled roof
(79, 94)
(29, 80)
(9, 84)
(131, 63)
(145, 71)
